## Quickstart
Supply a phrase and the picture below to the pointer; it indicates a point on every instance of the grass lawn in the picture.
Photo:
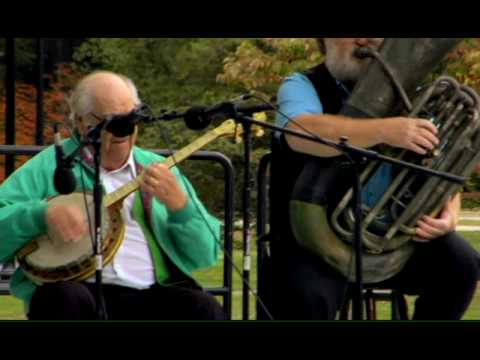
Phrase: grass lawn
(12, 309)
(469, 222)
(473, 312)
(209, 278)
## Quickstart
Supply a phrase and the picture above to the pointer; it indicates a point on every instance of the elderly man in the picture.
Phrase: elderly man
(443, 269)
(168, 233)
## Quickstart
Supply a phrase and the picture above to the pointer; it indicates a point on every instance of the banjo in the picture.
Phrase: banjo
(48, 258)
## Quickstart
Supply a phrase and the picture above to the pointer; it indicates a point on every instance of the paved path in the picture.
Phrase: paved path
(468, 228)
(470, 216)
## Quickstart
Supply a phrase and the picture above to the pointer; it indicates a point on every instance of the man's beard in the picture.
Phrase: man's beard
(343, 66)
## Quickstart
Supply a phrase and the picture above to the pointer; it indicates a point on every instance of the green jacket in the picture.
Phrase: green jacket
(184, 236)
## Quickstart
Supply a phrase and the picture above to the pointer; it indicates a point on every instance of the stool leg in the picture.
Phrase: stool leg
(394, 305)
(374, 308)
(345, 307)
(399, 306)
(345, 310)
(402, 307)
(368, 303)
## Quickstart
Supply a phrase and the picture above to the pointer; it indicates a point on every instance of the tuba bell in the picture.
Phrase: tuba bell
(322, 211)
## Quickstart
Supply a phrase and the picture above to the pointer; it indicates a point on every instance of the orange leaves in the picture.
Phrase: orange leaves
(464, 63)
(55, 108)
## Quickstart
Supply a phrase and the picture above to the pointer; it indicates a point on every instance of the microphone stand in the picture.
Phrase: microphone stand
(94, 138)
(353, 152)
(247, 228)
(230, 110)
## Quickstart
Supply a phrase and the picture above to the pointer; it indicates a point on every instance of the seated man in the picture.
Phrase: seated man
(168, 233)
(443, 269)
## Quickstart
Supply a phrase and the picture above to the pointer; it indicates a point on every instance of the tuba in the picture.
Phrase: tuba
(321, 205)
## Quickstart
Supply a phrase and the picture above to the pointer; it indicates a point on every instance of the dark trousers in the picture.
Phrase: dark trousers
(443, 272)
(76, 301)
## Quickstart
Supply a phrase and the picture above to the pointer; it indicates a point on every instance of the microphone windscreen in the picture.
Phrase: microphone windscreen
(195, 118)
(64, 181)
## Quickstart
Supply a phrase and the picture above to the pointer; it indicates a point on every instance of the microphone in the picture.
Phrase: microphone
(199, 117)
(63, 178)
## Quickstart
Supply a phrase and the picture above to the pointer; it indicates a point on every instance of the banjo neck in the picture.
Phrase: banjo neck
(117, 196)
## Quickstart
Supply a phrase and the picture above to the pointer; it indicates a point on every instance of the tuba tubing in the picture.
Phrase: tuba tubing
(325, 225)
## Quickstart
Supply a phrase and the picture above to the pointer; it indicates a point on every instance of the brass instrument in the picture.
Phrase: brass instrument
(326, 227)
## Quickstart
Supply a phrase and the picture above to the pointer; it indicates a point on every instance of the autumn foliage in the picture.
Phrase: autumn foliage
(55, 109)
(262, 64)
(464, 63)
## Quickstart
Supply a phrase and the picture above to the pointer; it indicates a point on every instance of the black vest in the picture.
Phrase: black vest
(287, 165)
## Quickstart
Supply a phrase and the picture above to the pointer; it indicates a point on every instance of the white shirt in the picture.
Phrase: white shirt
(132, 265)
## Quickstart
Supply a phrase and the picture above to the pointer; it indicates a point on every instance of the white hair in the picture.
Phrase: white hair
(81, 100)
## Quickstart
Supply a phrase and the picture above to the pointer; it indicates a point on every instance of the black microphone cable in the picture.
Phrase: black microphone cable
(257, 298)
(147, 110)
(63, 178)
(71, 159)
(217, 240)
(200, 110)
(350, 160)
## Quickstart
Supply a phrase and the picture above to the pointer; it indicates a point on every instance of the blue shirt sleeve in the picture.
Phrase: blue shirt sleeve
(297, 96)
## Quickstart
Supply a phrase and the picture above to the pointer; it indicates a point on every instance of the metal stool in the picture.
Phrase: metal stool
(371, 296)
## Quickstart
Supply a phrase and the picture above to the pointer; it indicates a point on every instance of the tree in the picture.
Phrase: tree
(55, 109)
(171, 74)
(261, 64)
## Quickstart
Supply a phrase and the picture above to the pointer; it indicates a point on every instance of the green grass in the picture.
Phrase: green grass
(469, 222)
(12, 309)
(472, 313)
(213, 277)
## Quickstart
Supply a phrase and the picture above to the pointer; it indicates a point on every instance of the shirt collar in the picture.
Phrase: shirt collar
(129, 165)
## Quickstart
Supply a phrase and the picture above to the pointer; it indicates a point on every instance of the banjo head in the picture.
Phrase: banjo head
(49, 258)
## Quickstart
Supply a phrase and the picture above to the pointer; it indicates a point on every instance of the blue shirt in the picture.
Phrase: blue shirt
(298, 96)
